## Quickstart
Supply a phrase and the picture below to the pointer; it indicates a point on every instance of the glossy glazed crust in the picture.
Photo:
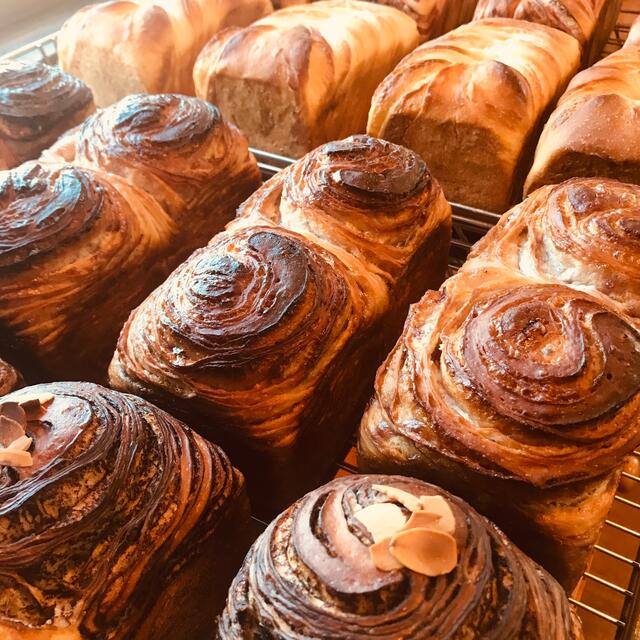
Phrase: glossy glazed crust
(38, 103)
(521, 395)
(10, 379)
(131, 46)
(268, 338)
(177, 148)
(304, 75)
(476, 94)
(310, 576)
(574, 143)
(139, 500)
(78, 250)
(583, 232)
(575, 17)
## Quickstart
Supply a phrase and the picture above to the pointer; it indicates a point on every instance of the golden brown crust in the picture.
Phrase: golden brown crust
(38, 103)
(119, 499)
(476, 94)
(310, 575)
(304, 75)
(574, 142)
(78, 250)
(128, 47)
(268, 337)
(10, 378)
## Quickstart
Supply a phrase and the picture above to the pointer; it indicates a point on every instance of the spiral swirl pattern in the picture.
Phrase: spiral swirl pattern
(72, 242)
(310, 576)
(584, 232)
(120, 496)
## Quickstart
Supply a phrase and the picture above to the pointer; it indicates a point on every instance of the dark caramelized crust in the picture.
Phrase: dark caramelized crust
(120, 499)
(507, 387)
(38, 103)
(310, 575)
(178, 149)
(78, 250)
(10, 379)
(584, 232)
(267, 339)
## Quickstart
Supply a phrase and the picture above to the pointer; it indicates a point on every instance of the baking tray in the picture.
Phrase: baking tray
(608, 598)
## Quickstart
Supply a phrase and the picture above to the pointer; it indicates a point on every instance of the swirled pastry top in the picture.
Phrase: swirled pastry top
(310, 575)
(575, 17)
(256, 308)
(359, 196)
(608, 92)
(584, 232)
(498, 74)
(118, 496)
(176, 147)
(35, 97)
(514, 378)
(10, 379)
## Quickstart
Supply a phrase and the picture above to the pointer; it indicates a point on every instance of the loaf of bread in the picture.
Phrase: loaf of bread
(318, 572)
(433, 17)
(133, 46)
(38, 103)
(178, 149)
(470, 103)
(517, 385)
(304, 75)
(595, 130)
(117, 521)
(267, 340)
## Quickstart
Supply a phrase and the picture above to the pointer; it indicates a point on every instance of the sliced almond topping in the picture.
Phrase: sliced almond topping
(10, 430)
(22, 444)
(13, 411)
(403, 497)
(438, 506)
(15, 458)
(381, 556)
(34, 403)
(381, 520)
(425, 551)
(424, 520)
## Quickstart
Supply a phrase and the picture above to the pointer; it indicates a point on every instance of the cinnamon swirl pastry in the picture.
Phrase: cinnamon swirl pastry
(116, 520)
(177, 148)
(38, 103)
(584, 232)
(10, 379)
(267, 339)
(314, 573)
(521, 396)
(78, 250)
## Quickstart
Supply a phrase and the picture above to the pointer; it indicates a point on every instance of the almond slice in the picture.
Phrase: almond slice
(406, 499)
(381, 520)
(425, 551)
(15, 458)
(21, 444)
(34, 403)
(437, 505)
(381, 556)
(423, 520)
(13, 411)
(10, 430)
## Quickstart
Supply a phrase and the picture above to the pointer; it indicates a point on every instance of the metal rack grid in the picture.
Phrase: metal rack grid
(608, 598)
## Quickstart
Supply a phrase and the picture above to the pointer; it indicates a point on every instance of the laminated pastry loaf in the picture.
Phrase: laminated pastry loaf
(81, 246)
(267, 339)
(314, 572)
(433, 17)
(471, 101)
(517, 385)
(117, 521)
(134, 46)
(304, 75)
(38, 103)
(594, 130)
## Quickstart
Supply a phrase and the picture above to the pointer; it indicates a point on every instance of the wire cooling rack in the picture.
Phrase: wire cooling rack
(608, 598)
